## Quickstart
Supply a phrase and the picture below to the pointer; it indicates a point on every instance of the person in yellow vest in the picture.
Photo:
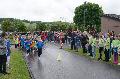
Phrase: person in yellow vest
(119, 49)
(119, 45)
(115, 45)
(94, 46)
(90, 45)
(101, 47)
(19, 40)
(16, 41)
(107, 48)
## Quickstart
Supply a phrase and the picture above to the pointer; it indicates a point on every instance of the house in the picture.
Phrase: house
(110, 22)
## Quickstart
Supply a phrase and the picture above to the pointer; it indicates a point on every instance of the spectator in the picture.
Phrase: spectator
(94, 46)
(101, 47)
(115, 45)
(3, 57)
(8, 50)
(84, 42)
(78, 42)
(107, 48)
(73, 41)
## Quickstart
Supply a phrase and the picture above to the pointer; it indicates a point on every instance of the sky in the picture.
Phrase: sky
(50, 10)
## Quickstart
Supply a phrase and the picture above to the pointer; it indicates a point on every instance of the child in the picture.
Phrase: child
(32, 46)
(16, 41)
(39, 45)
(115, 44)
(22, 41)
(27, 46)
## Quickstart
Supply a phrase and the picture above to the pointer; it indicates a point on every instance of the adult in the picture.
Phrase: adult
(3, 57)
(84, 42)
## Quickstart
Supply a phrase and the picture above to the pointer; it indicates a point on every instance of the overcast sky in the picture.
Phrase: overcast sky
(50, 10)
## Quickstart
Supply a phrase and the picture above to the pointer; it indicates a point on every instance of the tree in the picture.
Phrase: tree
(31, 27)
(54, 26)
(61, 25)
(40, 26)
(6, 25)
(88, 16)
(58, 25)
(19, 26)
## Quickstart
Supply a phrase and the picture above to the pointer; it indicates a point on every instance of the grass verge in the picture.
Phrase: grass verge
(96, 58)
(18, 68)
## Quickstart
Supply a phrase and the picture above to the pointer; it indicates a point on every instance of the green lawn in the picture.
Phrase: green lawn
(80, 53)
(18, 68)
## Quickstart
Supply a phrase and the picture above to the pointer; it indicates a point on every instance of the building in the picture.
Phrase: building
(110, 22)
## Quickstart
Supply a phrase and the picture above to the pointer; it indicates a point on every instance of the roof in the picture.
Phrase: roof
(112, 16)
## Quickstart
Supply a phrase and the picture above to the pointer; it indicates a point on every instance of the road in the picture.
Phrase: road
(71, 66)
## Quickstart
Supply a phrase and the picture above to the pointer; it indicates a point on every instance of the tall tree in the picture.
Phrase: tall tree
(88, 16)
(6, 25)
(40, 26)
(19, 26)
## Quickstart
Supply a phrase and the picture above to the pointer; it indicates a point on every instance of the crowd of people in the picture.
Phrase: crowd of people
(30, 43)
(108, 44)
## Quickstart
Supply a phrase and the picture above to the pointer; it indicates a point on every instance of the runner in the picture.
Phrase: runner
(39, 45)
(62, 40)
(32, 46)
(27, 46)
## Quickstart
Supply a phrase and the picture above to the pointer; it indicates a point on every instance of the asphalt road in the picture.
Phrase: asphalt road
(71, 66)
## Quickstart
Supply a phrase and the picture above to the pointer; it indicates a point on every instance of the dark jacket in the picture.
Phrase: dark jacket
(84, 40)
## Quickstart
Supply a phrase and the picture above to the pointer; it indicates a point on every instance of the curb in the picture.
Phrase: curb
(28, 66)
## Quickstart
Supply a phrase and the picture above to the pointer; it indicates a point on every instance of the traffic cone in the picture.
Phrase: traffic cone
(59, 57)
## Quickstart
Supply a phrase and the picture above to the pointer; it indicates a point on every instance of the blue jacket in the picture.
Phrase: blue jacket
(39, 44)
(22, 41)
(7, 43)
(27, 44)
